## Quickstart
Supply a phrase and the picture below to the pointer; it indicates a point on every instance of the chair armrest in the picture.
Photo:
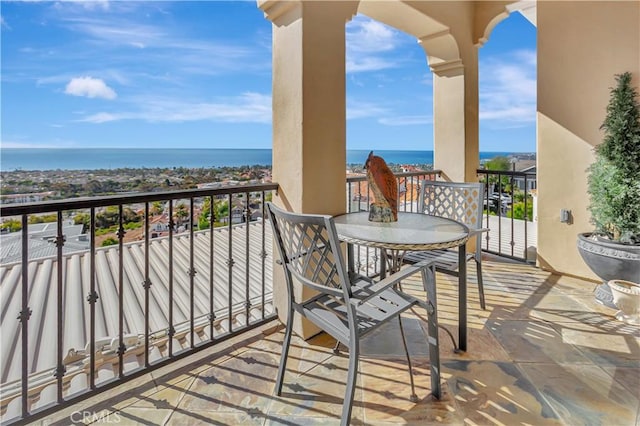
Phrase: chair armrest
(473, 232)
(381, 286)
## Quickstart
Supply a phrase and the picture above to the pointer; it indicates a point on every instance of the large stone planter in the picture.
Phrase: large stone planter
(609, 261)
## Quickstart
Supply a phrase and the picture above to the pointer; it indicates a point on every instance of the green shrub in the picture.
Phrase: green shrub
(13, 225)
(615, 202)
(517, 211)
(614, 178)
(109, 242)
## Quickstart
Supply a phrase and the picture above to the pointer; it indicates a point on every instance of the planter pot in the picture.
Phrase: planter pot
(609, 261)
(626, 297)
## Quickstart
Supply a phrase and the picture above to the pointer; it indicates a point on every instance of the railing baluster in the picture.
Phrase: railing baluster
(488, 208)
(212, 314)
(513, 242)
(24, 316)
(171, 331)
(359, 196)
(230, 262)
(192, 275)
(526, 220)
(92, 298)
(146, 284)
(60, 369)
(121, 346)
(499, 212)
(247, 215)
(263, 253)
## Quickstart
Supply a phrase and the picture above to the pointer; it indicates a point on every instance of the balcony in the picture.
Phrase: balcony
(542, 353)
(201, 344)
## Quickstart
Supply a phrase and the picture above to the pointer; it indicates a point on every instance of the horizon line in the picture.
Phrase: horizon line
(239, 149)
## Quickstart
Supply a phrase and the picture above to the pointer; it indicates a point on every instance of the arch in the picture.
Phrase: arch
(489, 15)
(488, 28)
(440, 45)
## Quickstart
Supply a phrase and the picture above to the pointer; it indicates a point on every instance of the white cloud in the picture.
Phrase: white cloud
(358, 109)
(366, 42)
(366, 35)
(101, 117)
(93, 4)
(3, 23)
(117, 33)
(508, 90)
(382, 114)
(85, 4)
(89, 87)
(246, 108)
(406, 120)
(371, 63)
(22, 144)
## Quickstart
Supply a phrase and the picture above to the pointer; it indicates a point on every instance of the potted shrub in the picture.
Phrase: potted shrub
(612, 251)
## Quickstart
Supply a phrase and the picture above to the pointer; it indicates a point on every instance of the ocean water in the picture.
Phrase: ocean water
(94, 159)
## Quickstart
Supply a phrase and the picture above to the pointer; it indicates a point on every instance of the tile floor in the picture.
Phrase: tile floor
(544, 352)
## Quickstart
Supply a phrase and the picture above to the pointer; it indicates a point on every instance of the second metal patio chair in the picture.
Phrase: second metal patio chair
(459, 201)
(346, 307)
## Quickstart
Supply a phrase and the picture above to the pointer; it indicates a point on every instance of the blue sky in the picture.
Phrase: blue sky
(120, 74)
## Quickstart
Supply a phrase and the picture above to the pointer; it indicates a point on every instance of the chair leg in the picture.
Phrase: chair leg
(456, 349)
(413, 397)
(480, 284)
(429, 281)
(285, 353)
(349, 392)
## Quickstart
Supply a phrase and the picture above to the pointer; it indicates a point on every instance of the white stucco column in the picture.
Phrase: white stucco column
(309, 113)
(455, 118)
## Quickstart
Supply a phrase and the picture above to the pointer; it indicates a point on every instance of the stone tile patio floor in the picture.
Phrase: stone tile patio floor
(544, 352)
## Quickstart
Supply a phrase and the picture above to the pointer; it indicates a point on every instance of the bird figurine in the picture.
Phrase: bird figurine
(384, 185)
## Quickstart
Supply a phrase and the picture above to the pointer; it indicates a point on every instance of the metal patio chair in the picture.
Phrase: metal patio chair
(459, 201)
(346, 306)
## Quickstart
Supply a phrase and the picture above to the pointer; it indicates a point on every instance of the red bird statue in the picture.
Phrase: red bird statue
(384, 185)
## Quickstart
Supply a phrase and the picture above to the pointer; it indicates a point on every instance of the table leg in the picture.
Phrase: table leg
(383, 264)
(462, 297)
(351, 266)
(429, 279)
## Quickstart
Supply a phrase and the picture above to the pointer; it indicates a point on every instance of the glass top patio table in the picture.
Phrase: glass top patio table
(412, 231)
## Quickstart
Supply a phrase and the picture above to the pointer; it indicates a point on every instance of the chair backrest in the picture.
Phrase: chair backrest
(459, 201)
(310, 251)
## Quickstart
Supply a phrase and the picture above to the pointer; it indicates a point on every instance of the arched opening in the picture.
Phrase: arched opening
(507, 135)
(389, 94)
(507, 85)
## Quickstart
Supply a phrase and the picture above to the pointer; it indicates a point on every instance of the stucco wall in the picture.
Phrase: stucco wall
(581, 46)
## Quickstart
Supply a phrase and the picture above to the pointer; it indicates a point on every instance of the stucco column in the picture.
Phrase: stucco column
(309, 114)
(455, 119)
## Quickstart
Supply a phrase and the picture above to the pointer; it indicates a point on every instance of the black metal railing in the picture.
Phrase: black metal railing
(198, 273)
(110, 314)
(509, 213)
(367, 260)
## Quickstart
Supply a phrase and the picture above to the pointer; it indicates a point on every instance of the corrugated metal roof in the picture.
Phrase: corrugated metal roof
(41, 243)
(43, 328)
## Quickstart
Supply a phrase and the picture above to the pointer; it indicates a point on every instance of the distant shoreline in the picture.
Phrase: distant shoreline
(100, 159)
